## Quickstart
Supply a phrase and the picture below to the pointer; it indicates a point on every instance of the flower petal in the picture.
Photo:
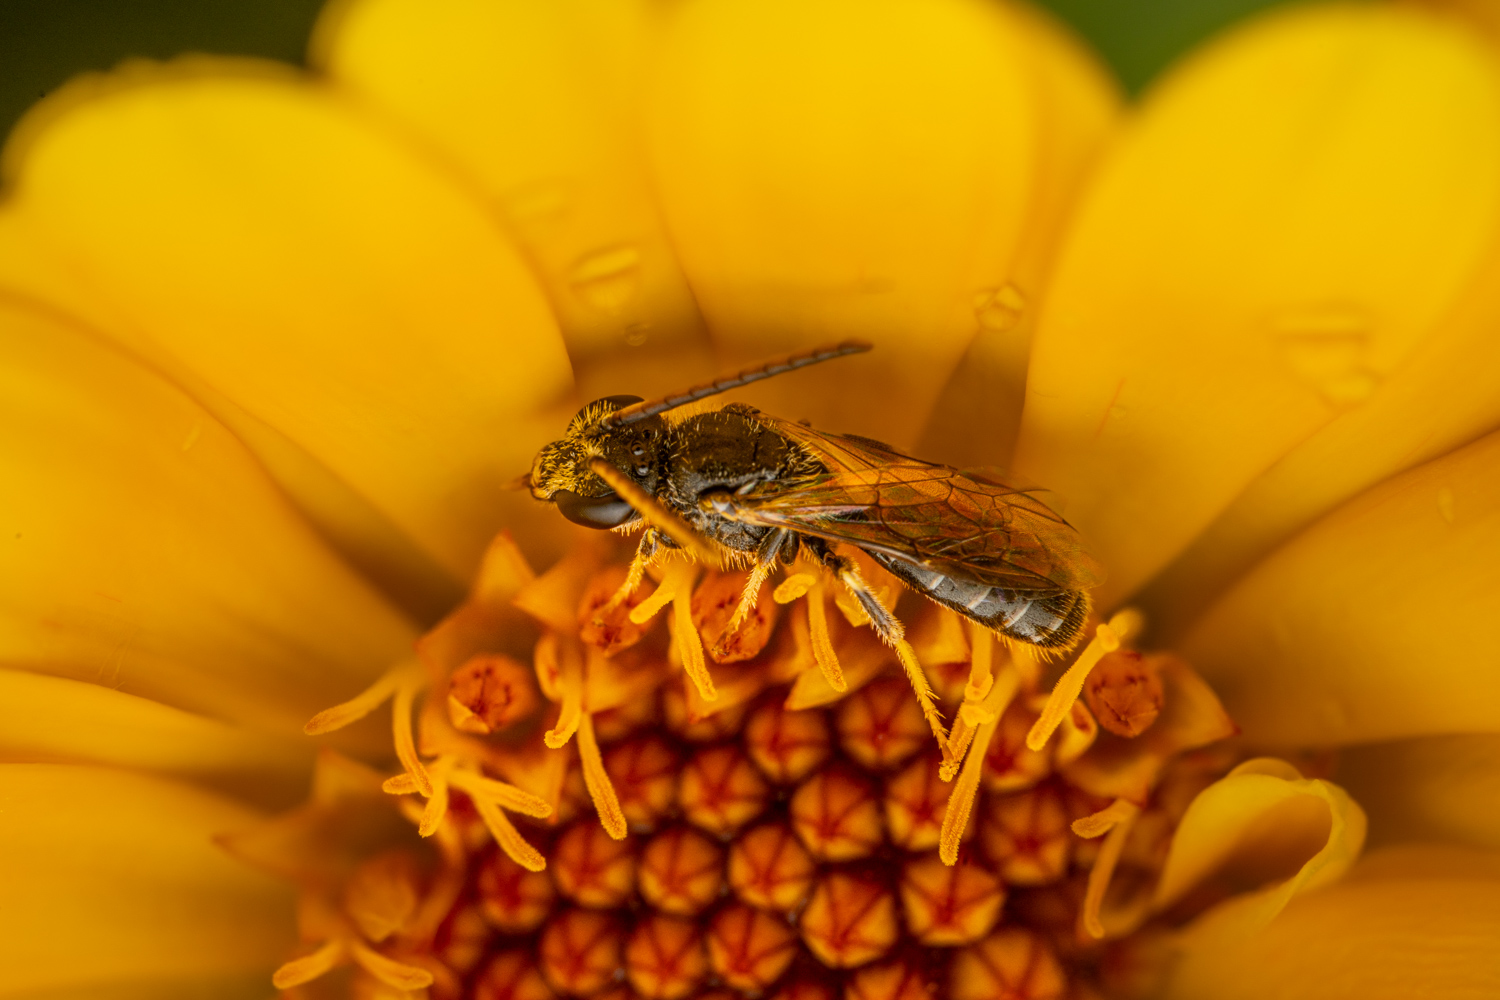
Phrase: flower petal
(114, 877)
(146, 550)
(537, 103)
(1388, 932)
(1434, 788)
(1261, 822)
(255, 230)
(1373, 623)
(843, 168)
(44, 719)
(1290, 215)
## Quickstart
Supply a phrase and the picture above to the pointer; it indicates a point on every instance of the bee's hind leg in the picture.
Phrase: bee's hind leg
(885, 624)
(766, 556)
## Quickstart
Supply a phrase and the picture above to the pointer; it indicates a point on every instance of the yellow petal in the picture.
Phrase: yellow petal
(53, 719)
(1261, 822)
(146, 550)
(1288, 217)
(844, 168)
(1373, 624)
(1388, 932)
(254, 230)
(537, 104)
(114, 877)
(1434, 788)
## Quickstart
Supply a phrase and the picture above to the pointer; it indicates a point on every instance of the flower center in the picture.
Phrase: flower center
(701, 796)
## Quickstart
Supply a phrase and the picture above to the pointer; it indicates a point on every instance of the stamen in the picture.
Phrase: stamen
(309, 967)
(360, 705)
(506, 796)
(1070, 685)
(961, 801)
(685, 635)
(817, 623)
(970, 714)
(596, 779)
(1123, 817)
(1105, 819)
(401, 729)
(570, 680)
(649, 606)
(793, 587)
(399, 784)
(394, 974)
(437, 803)
(505, 833)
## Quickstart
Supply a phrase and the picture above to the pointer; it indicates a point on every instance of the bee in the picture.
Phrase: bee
(742, 486)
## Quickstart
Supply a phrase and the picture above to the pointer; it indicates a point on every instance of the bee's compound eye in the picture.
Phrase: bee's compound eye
(608, 511)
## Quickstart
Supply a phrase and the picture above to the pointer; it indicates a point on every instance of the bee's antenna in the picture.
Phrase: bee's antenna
(651, 407)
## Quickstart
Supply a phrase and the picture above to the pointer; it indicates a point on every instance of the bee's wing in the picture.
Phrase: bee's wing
(978, 530)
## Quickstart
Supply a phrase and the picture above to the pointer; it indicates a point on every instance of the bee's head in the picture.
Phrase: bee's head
(560, 474)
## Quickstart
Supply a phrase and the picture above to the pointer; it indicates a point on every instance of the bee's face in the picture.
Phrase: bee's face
(561, 473)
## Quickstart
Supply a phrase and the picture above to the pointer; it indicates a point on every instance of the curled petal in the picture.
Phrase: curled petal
(1262, 821)
(1402, 924)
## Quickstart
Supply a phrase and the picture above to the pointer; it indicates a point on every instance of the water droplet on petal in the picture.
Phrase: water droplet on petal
(1445, 503)
(608, 279)
(999, 309)
(1328, 349)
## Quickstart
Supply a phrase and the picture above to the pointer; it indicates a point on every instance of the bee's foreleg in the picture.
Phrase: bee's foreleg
(766, 556)
(645, 554)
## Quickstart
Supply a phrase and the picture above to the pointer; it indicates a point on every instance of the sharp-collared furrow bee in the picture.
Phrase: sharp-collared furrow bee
(760, 489)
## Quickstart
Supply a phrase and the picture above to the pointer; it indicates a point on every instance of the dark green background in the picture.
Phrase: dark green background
(43, 42)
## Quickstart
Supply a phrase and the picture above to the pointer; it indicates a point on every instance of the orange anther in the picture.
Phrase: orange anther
(1012, 963)
(837, 815)
(881, 724)
(749, 949)
(1010, 765)
(721, 790)
(890, 981)
(722, 724)
(580, 951)
(644, 772)
(611, 630)
(915, 801)
(489, 692)
(787, 745)
(512, 975)
(591, 868)
(849, 921)
(1026, 836)
(1124, 692)
(681, 871)
(665, 958)
(463, 938)
(382, 894)
(949, 905)
(713, 605)
(769, 869)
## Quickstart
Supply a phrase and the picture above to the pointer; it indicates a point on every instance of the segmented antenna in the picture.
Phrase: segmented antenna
(651, 407)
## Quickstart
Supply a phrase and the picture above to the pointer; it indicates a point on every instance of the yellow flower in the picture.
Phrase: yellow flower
(274, 345)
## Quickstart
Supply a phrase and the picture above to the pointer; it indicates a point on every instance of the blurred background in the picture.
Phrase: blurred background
(43, 42)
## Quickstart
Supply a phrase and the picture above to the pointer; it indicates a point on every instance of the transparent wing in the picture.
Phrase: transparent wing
(975, 529)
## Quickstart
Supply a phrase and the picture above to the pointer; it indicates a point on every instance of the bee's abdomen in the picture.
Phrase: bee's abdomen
(1051, 620)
